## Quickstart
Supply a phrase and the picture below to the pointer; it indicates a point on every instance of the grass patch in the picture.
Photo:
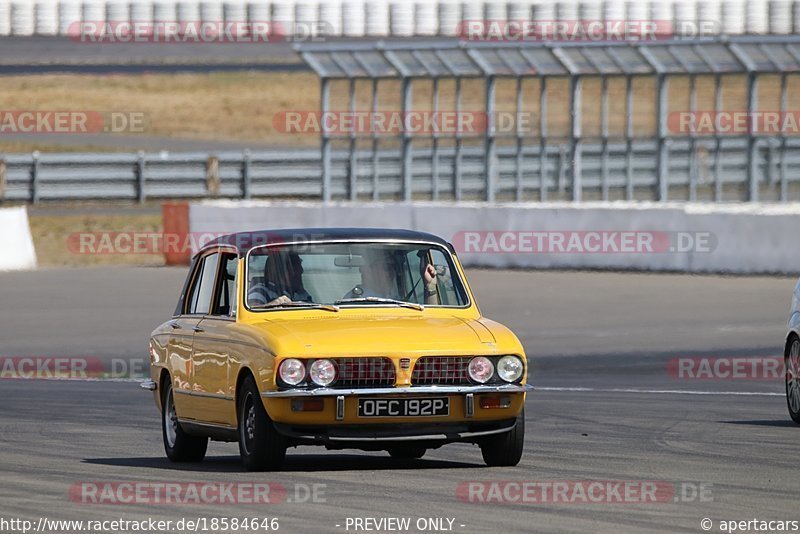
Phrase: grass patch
(51, 234)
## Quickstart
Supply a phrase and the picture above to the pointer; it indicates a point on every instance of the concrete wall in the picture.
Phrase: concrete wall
(16, 243)
(641, 236)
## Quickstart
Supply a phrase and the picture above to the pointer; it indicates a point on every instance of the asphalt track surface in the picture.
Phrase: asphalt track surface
(606, 409)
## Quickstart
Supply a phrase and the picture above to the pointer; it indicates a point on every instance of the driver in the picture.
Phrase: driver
(283, 282)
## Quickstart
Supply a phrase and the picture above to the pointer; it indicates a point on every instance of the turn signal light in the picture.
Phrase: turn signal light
(308, 405)
(489, 403)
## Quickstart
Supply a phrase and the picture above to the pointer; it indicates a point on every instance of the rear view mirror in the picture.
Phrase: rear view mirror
(349, 261)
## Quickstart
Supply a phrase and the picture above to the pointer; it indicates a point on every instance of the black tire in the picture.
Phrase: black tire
(261, 447)
(407, 452)
(791, 358)
(505, 450)
(179, 446)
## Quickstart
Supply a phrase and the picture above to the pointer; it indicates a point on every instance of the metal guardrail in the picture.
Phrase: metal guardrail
(612, 170)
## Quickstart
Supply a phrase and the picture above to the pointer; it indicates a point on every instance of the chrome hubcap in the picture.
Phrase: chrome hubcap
(170, 421)
(792, 383)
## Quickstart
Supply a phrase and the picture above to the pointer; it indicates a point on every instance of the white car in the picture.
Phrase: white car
(791, 357)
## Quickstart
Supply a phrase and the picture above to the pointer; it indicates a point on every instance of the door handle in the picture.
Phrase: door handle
(175, 324)
(198, 329)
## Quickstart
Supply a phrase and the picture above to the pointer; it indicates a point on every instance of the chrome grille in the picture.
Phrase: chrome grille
(434, 370)
(364, 372)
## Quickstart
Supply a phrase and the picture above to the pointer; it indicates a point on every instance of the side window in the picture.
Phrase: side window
(449, 294)
(226, 285)
(413, 277)
(199, 301)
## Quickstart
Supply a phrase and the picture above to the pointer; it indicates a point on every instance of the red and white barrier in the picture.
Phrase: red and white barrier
(16, 243)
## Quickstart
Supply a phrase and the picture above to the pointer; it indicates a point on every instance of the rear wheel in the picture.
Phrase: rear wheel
(505, 450)
(407, 452)
(179, 446)
(260, 445)
(792, 364)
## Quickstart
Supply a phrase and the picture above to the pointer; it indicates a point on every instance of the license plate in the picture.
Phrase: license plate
(429, 407)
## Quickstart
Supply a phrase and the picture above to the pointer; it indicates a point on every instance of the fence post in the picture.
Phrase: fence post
(489, 141)
(246, 175)
(663, 147)
(408, 158)
(576, 133)
(35, 177)
(212, 176)
(140, 177)
(3, 169)
(752, 139)
(325, 149)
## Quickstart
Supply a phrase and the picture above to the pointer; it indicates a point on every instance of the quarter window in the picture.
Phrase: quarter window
(199, 301)
(226, 285)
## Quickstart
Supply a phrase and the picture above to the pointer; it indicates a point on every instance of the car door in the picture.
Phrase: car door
(214, 399)
(193, 308)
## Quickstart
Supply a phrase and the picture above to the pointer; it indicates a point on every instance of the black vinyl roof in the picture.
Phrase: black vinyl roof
(246, 241)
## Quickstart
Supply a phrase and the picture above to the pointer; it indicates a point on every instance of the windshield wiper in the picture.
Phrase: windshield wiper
(309, 305)
(381, 300)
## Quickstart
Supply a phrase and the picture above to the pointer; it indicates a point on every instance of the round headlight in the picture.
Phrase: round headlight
(481, 369)
(510, 368)
(292, 371)
(322, 372)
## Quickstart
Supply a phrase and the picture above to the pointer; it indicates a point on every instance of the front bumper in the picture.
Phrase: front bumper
(340, 407)
(379, 437)
(411, 390)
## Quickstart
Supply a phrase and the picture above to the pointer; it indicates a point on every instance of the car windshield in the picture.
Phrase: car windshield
(352, 274)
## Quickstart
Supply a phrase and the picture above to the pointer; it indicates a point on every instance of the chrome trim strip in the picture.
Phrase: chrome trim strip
(469, 405)
(425, 390)
(209, 425)
(149, 385)
(427, 437)
(203, 394)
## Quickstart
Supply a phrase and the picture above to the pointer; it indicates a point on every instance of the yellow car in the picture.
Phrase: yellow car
(347, 338)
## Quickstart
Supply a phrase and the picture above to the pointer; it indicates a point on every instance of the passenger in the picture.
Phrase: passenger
(378, 279)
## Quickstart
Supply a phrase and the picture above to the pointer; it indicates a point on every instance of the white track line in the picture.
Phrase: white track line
(662, 391)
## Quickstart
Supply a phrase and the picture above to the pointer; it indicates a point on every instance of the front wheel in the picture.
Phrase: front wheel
(792, 364)
(261, 446)
(505, 450)
(179, 446)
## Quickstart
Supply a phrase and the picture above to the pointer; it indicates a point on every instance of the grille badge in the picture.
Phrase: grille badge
(405, 363)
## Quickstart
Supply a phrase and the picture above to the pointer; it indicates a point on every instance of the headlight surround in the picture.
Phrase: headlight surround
(292, 371)
(322, 372)
(481, 369)
(510, 368)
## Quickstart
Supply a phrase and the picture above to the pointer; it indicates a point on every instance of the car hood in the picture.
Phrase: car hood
(354, 335)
